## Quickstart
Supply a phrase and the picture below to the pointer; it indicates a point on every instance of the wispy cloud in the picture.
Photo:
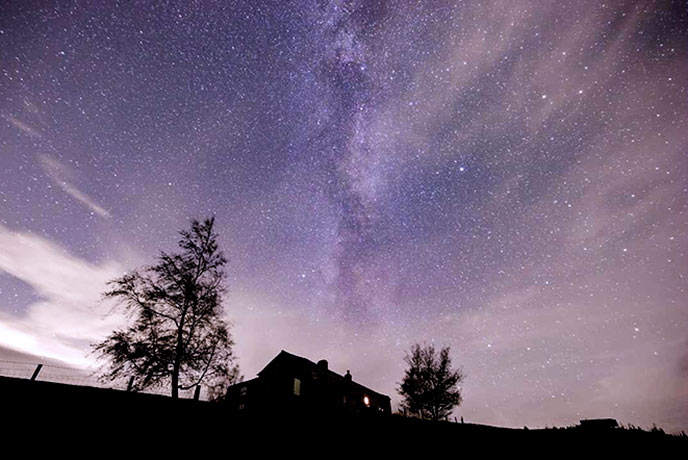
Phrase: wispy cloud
(60, 175)
(24, 127)
(70, 314)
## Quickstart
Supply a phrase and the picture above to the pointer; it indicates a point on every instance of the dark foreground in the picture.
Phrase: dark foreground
(57, 417)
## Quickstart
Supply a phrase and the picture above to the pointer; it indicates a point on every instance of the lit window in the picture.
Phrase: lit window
(242, 391)
(366, 401)
(297, 387)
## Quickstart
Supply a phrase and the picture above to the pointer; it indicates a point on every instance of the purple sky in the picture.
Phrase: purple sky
(505, 178)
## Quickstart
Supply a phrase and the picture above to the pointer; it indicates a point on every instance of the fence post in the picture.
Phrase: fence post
(35, 373)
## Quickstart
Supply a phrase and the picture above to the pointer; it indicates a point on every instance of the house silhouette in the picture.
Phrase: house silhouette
(290, 383)
(599, 423)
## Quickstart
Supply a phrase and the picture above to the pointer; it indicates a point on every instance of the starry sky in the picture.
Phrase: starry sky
(505, 178)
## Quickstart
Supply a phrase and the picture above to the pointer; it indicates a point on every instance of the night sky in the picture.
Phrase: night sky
(507, 178)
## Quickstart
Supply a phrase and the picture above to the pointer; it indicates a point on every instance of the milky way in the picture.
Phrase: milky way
(505, 178)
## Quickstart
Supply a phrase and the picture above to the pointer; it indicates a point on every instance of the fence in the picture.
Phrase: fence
(71, 376)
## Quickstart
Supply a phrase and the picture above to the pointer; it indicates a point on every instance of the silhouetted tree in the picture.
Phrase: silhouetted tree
(430, 387)
(178, 335)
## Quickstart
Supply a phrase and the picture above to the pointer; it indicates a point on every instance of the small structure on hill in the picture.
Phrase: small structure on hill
(599, 424)
(296, 384)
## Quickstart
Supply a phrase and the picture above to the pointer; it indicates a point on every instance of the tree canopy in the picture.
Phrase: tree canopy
(178, 335)
(430, 387)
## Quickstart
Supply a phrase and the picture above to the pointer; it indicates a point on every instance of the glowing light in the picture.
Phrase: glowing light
(366, 401)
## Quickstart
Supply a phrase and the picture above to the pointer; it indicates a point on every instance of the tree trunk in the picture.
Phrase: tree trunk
(177, 364)
(178, 355)
(175, 382)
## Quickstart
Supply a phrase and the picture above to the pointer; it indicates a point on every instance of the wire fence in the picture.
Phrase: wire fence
(72, 376)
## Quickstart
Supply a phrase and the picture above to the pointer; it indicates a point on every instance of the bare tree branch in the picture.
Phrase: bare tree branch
(178, 335)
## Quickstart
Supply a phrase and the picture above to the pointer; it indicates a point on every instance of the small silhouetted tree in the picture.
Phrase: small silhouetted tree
(430, 387)
(178, 335)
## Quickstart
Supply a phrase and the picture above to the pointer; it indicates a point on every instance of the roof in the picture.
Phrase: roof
(294, 360)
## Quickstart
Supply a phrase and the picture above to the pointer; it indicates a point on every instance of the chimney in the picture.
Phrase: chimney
(347, 377)
(322, 364)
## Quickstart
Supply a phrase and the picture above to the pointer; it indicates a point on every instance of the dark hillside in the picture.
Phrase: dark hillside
(99, 417)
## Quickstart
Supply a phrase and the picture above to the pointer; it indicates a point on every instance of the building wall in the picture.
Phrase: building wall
(284, 388)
